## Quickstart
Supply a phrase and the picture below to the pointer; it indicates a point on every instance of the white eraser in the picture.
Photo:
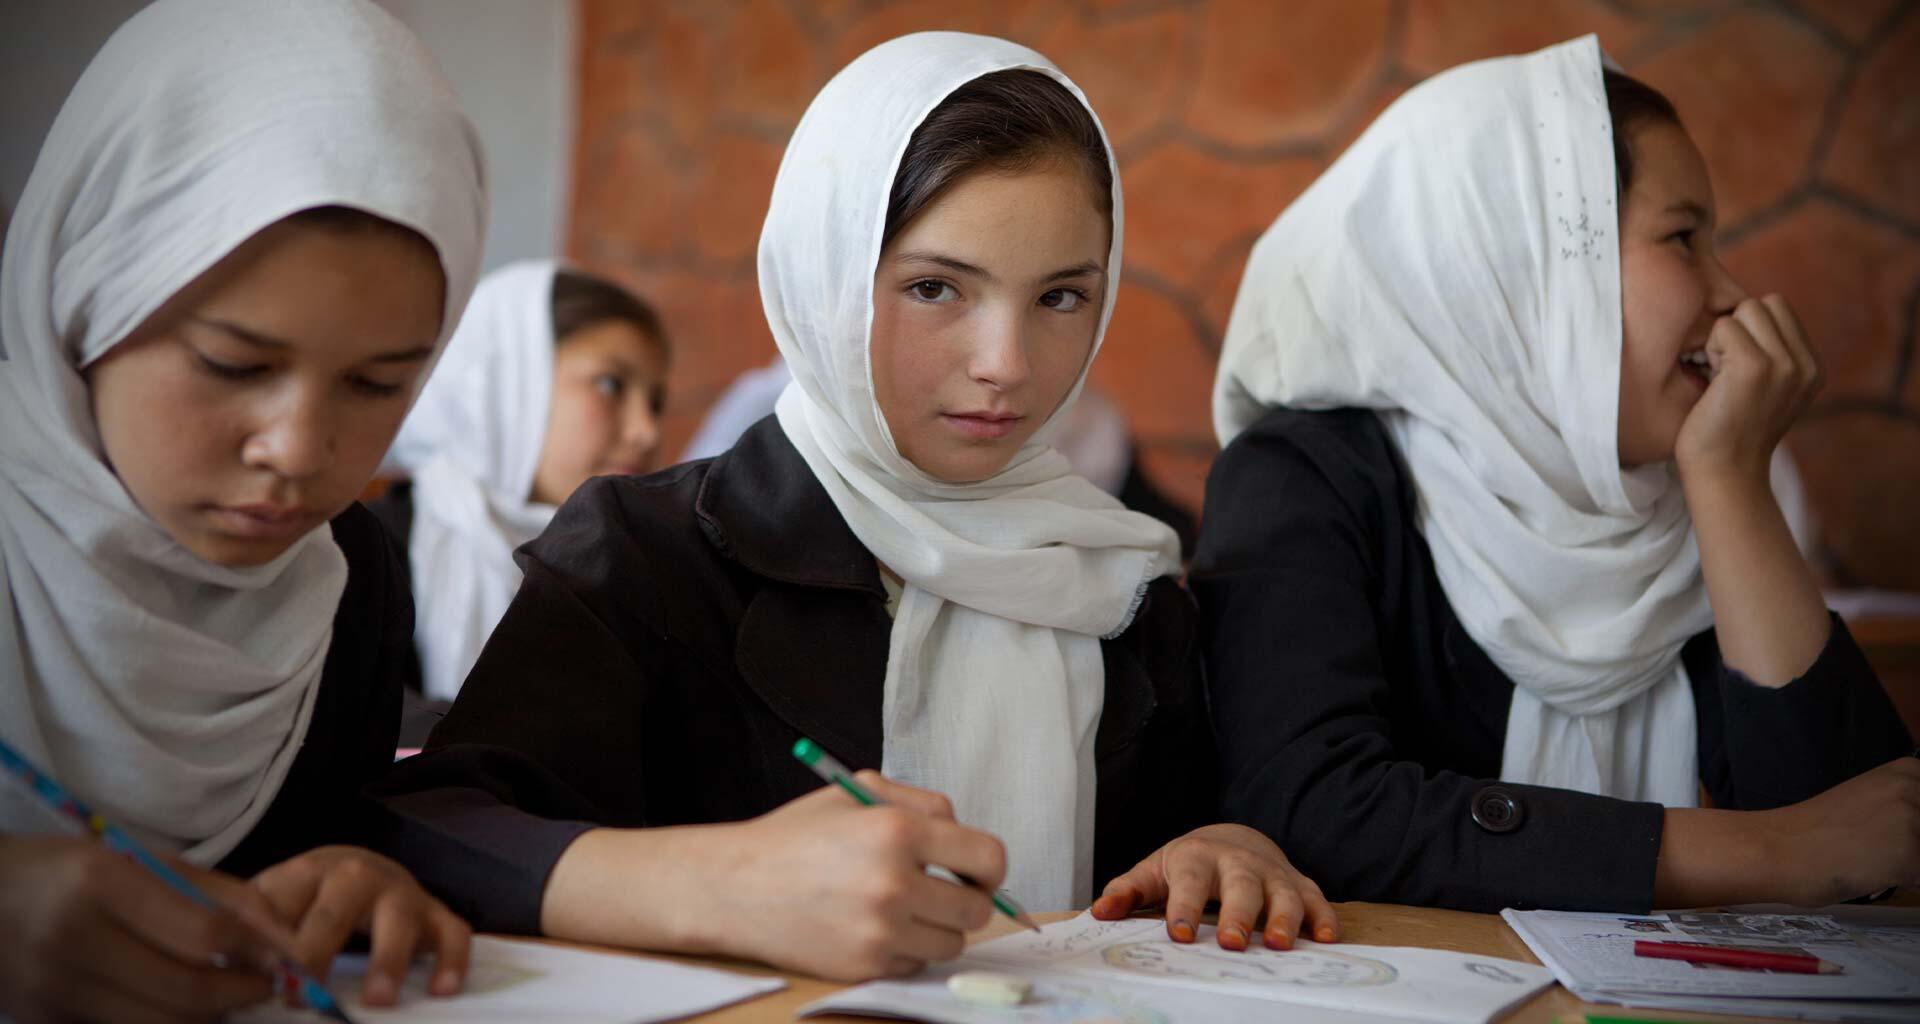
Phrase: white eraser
(985, 988)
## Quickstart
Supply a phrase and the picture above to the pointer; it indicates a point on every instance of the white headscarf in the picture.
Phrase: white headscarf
(1458, 269)
(170, 692)
(472, 446)
(994, 674)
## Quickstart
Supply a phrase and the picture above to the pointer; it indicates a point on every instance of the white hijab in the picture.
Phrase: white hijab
(169, 692)
(1458, 270)
(472, 446)
(994, 674)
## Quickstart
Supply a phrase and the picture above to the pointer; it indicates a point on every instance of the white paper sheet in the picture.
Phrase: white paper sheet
(1151, 980)
(527, 981)
(1592, 955)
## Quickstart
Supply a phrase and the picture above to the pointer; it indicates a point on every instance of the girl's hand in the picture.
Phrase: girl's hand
(1236, 865)
(92, 936)
(827, 887)
(1764, 375)
(327, 895)
(1857, 838)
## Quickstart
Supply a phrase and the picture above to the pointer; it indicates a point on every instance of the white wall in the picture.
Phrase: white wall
(511, 61)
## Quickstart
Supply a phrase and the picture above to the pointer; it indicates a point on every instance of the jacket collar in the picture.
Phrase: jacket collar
(760, 495)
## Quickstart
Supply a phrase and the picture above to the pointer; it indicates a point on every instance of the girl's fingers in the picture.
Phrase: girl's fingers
(943, 904)
(1242, 897)
(396, 934)
(927, 802)
(162, 986)
(1284, 912)
(927, 943)
(1322, 922)
(346, 896)
(171, 923)
(1191, 874)
(452, 941)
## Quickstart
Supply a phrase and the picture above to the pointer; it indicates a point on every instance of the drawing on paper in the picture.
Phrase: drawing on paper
(1069, 1002)
(1309, 967)
(1495, 972)
(1760, 927)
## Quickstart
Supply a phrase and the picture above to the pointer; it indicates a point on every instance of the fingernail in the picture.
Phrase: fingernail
(446, 982)
(1323, 934)
(1233, 937)
(380, 989)
(1181, 931)
(219, 961)
(1279, 940)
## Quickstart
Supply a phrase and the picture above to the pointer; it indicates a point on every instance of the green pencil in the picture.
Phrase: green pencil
(824, 765)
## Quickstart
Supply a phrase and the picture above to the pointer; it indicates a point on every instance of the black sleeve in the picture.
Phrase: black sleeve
(1764, 747)
(393, 510)
(1287, 576)
(351, 735)
(543, 739)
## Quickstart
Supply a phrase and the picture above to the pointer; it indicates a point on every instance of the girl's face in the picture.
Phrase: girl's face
(1672, 289)
(256, 403)
(984, 311)
(609, 385)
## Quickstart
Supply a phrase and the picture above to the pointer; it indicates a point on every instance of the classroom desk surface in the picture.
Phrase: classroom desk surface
(1374, 924)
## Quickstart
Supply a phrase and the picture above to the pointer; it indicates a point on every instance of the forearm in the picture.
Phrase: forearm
(1714, 857)
(1768, 612)
(636, 888)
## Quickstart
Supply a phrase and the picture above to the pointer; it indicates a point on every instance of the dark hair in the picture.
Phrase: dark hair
(347, 218)
(1007, 120)
(581, 300)
(1632, 103)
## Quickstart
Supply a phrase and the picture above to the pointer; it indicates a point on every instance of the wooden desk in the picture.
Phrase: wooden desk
(1371, 923)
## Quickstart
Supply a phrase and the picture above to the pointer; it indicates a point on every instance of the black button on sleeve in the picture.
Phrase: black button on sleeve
(1498, 810)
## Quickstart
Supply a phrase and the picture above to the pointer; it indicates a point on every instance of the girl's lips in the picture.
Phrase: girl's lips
(982, 428)
(263, 522)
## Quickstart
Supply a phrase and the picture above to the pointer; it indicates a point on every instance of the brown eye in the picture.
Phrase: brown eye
(1063, 300)
(930, 290)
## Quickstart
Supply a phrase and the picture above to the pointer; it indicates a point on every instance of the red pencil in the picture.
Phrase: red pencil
(1701, 953)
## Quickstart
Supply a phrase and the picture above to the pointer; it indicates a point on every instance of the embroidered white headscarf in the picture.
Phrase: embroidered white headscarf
(994, 673)
(1458, 269)
(169, 692)
(472, 446)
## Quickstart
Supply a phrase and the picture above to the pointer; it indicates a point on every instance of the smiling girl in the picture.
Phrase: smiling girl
(1493, 579)
(245, 240)
(896, 565)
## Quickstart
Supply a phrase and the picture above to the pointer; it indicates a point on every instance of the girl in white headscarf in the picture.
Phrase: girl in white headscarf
(553, 377)
(1493, 576)
(897, 566)
(245, 239)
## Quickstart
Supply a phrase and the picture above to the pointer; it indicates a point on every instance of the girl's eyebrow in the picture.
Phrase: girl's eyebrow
(268, 341)
(1083, 269)
(1688, 206)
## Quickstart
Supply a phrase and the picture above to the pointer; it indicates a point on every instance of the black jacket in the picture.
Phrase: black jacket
(1361, 727)
(675, 634)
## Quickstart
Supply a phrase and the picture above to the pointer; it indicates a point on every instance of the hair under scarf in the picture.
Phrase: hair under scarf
(1458, 269)
(472, 445)
(995, 679)
(169, 692)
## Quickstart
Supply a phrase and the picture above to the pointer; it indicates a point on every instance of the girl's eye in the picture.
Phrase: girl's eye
(930, 290)
(1063, 300)
(609, 385)
(374, 388)
(229, 371)
(1684, 236)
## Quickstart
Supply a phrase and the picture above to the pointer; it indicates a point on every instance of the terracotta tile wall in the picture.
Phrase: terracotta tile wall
(1808, 112)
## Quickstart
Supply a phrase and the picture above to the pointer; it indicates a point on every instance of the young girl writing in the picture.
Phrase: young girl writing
(896, 565)
(248, 233)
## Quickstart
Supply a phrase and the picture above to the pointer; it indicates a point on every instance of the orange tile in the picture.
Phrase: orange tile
(879, 24)
(1281, 73)
(1184, 207)
(1854, 19)
(1157, 367)
(1753, 89)
(1178, 470)
(1849, 280)
(770, 72)
(1876, 149)
(1862, 472)
(1131, 69)
(1445, 33)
